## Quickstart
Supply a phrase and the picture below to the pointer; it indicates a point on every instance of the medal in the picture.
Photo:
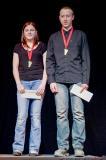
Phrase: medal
(29, 63)
(66, 40)
(29, 51)
(65, 51)
(30, 58)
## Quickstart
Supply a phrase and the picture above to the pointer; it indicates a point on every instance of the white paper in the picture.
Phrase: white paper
(30, 94)
(86, 95)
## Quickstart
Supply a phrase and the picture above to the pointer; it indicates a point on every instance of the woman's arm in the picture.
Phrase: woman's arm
(16, 73)
(41, 88)
(44, 79)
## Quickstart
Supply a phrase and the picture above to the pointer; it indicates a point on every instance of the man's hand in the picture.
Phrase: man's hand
(83, 87)
(53, 88)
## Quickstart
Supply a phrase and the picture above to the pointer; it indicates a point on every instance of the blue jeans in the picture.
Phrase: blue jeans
(35, 114)
(78, 127)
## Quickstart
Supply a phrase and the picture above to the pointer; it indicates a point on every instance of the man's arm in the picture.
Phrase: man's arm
(85, 62)
(50, 61)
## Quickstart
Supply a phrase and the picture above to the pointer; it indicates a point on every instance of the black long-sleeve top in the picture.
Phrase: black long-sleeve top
(73, 67)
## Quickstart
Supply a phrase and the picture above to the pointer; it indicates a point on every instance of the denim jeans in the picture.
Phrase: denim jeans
(35, 114)
(78, 127)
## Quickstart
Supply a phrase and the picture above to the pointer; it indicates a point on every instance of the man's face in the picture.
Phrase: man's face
(66, 17)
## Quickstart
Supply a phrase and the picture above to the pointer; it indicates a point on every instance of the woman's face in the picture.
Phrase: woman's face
(29, 32)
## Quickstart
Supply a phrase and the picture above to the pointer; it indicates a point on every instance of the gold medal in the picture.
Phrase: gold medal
(65, 51)
(29, 63)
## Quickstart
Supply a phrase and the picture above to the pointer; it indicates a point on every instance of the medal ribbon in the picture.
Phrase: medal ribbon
(67, 40)
(30, 54)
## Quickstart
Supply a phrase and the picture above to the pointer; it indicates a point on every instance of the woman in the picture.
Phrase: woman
(29, 73)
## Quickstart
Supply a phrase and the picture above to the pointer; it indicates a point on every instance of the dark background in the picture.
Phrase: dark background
(89, 17)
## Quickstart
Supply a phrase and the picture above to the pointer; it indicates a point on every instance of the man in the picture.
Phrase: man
(68, 63)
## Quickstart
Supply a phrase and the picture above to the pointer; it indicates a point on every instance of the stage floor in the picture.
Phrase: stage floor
(49, 157)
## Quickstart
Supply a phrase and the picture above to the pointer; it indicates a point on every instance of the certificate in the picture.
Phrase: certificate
(85, 94)
(30, 94)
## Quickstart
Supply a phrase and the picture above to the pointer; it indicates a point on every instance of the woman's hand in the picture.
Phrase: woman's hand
(20, 88)
(40, 91)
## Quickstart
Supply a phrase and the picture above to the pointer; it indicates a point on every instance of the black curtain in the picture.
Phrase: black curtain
(89, 17)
